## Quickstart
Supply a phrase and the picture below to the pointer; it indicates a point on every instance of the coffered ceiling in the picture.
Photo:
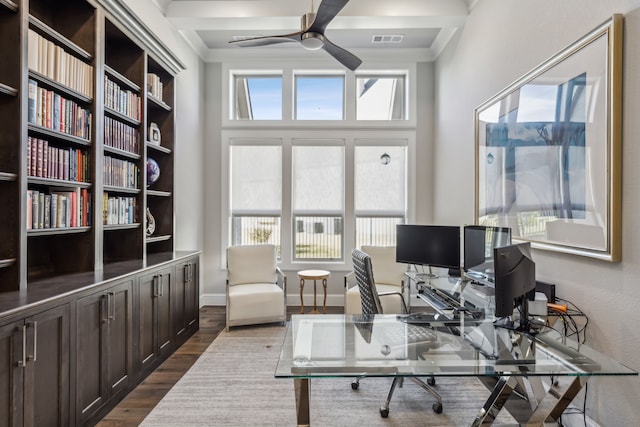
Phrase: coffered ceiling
(368, 28)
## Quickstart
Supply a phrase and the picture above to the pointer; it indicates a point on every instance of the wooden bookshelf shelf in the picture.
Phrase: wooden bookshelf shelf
(52, 34)
(157, 239)
(8, 4)
(8, 90)
(158, 193)
(122, 117)
(123, 190)
(58, 182)
(60, 88)
(46, 132)
(122, 80)
(5, 263)
(4, 176)
(122, 153)
(56, 231)
(155, 102)
(159, 148)
(116, 227)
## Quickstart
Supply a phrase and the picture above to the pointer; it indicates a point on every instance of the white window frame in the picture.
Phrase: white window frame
(287, 137)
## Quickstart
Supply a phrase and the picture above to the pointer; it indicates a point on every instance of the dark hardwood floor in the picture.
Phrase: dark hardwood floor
(137, 404)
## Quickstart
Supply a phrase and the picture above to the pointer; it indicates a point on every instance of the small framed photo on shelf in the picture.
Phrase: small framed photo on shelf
(154, 134)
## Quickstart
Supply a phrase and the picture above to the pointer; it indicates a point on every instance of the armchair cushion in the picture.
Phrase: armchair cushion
(251, 264)
(255, 301)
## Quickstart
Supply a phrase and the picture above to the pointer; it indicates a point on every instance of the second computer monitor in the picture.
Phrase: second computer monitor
(429, 245)
(479, 243)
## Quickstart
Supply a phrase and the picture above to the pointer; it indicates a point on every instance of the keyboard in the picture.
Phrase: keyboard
(436, 300)
(409, 334)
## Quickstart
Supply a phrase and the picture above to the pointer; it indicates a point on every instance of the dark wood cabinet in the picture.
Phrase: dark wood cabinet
(155, 295)
(185, 299)
(103, 348)
(34, 370)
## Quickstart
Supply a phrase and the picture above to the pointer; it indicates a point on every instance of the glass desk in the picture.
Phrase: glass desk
(325, 346)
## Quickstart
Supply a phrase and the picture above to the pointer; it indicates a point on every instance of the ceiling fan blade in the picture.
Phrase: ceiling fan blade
(267, 40)
(327, 10)
(346, 58)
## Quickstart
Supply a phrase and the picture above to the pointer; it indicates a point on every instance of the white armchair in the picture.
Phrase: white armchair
(256, 287)
(389, 277)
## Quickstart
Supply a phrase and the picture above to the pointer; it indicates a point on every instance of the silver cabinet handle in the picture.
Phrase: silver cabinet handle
(187, 273)
(156, 286)
(161, 284)
(23, 363)
(105, 299)
(34, 356)
(111, 305)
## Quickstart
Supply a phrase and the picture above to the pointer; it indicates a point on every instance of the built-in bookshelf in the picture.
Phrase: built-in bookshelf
(160, 140)
(11, 243)
(85, 103)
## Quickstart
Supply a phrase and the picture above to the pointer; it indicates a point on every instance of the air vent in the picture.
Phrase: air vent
(387, 38)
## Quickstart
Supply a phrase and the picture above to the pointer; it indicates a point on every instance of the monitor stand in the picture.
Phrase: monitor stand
(426, 276)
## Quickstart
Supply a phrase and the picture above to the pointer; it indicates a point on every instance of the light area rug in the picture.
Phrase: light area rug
(233, 384)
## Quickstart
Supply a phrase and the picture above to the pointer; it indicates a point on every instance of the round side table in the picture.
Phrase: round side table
(314, 275)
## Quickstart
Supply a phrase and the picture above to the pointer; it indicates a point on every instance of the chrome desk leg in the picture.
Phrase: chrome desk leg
(301, 386)
(495, 402)
(557, 399)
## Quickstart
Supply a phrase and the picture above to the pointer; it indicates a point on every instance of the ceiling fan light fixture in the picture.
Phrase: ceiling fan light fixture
(312, 41)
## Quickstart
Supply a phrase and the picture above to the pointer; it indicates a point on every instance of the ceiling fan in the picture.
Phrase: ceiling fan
(311, 35)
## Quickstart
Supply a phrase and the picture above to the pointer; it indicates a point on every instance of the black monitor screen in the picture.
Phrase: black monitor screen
(432, 245)
(515, 278)
(479, 243)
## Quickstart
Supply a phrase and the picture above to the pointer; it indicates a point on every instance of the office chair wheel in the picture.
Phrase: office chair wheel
(431, 381)
(437, 407)
(384, 412)
(355, 384)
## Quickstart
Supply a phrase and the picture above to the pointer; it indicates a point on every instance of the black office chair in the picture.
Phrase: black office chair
(370, 306)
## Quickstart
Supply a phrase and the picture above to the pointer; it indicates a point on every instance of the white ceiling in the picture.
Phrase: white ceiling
(426, 25)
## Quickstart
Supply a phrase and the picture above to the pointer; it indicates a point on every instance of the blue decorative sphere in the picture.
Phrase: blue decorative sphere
(153, 171)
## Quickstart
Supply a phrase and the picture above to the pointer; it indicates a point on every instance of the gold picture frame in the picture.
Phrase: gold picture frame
(548, 150)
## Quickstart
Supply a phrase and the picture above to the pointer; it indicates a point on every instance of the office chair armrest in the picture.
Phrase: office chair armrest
(282, 279)
(405, 310)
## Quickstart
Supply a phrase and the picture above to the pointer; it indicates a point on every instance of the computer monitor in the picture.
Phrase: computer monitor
(515, 281)
(479, 243)
(430, 245)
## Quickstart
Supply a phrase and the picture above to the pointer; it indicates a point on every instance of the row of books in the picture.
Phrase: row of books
(46, 161)
(119, 210)
(121, 100)
(51, 110)
(120, 173)
(121, 136)
(59, 208)
(154, 86)
(51, 60)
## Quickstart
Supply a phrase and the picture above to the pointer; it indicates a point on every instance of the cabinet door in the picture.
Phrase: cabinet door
(147, 340)
(154, 316)
(119, 341)
(11, 375)
(192, 296)
(90, 341)
(46, 397)
(186, 298)
(164, 298)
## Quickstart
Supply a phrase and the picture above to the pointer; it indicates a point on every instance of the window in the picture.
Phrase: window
(380, 193)
(319, 98)
(318, 201)
(258, 97)
(380, 97)
(256, 194)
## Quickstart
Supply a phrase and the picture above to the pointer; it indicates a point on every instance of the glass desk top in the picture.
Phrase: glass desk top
(318, 346)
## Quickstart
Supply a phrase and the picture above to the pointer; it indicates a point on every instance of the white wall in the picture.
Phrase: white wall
(501, 41)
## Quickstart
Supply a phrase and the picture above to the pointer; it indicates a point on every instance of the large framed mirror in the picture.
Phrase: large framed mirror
(548, 150)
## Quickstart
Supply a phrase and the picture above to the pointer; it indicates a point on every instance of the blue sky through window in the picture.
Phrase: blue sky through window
(319, 98)
(266, 97)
